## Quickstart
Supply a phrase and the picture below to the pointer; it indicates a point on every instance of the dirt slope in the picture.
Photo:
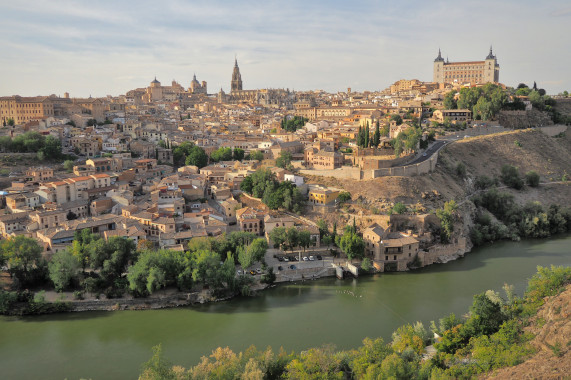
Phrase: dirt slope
(485, 155)
(552, 328)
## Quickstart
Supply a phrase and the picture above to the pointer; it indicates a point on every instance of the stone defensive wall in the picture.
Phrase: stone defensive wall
(404, 171)
(344, 172)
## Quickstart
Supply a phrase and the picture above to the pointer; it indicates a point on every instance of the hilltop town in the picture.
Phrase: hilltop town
(299, 184)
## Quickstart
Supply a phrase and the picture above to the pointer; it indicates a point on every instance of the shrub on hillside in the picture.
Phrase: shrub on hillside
(510, 177)
(532, 178)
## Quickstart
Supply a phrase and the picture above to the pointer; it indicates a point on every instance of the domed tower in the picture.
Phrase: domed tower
(236, 84)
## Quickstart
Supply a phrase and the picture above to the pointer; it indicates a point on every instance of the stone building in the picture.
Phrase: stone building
(486, 71)
(24, 109)
(196, 87)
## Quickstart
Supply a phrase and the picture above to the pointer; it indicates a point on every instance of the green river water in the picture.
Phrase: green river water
(113, 345)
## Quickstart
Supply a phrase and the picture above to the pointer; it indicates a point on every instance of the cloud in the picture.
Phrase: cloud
(110, 47)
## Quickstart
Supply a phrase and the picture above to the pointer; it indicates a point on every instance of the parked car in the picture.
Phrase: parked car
(286, 259)
(280, 258)
(319, 257)
(424, 155)
(239, 272)
(258, 271)
(280, 268)
(305, 258)
(253, 273)
(292, 267)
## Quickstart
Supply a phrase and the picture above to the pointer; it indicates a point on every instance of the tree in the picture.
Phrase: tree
(63, 269)
(352, 244)
(238, 154)
(278, 236)
(397, 119)
(323, 228)
(157, 367)
(205, 266)
(256, 155)
(399, 208)
(68, 165)
(24, 258)
(304, 239)
(532, 178)
(377, 136)
(486, 315)
(144, 245)
(221, 154)
(292, 238)
(366, 264)
(284, 159)
(446, 219)
(197, 157)
(450, 101)
(343, 197)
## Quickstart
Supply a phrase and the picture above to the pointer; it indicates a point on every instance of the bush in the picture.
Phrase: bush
(461, 170)
(344, 196)
(483, 182)
(399, 208)
(532, 178)
(510, 177)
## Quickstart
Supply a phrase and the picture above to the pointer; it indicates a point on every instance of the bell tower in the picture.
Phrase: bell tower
(236, 84)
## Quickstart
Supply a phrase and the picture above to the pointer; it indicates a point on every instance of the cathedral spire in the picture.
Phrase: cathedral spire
(236, 84)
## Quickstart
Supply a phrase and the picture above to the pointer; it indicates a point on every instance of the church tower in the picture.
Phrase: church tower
(236, 84)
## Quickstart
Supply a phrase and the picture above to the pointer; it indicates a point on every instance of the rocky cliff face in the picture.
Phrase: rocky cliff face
(552, 329)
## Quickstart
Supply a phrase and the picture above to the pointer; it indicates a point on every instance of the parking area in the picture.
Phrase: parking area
(290, 262)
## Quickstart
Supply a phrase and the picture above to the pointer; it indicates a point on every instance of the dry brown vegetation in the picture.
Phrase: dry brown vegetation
(485, 155)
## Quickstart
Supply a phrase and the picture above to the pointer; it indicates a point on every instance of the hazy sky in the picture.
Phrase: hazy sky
(101, 47)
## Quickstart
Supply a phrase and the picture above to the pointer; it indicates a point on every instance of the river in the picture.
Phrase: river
(113, 345)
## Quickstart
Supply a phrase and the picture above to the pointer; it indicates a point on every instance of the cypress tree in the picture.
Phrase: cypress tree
(377, 136)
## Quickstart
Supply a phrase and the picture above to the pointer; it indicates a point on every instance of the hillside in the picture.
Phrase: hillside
(552, 329)
(484, 155)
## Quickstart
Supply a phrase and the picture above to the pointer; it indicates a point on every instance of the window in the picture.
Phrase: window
(395, 257)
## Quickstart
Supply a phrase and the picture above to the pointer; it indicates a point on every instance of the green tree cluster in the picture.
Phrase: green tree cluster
(515, 221)
(189, 154)
(256, 155)
(263, 184)
(221, 154)
(484, 102)
(23, 256)
(290, 238)
(364, 137)
(350, 243)
(293, 124)
(407, 141)
(47, 148)
(446, 217)
(284, 160)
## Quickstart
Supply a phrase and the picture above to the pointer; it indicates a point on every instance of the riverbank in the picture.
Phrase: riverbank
(54, 302)
(295, 316)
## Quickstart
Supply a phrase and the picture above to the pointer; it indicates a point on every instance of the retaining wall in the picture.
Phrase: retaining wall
(553, 130)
